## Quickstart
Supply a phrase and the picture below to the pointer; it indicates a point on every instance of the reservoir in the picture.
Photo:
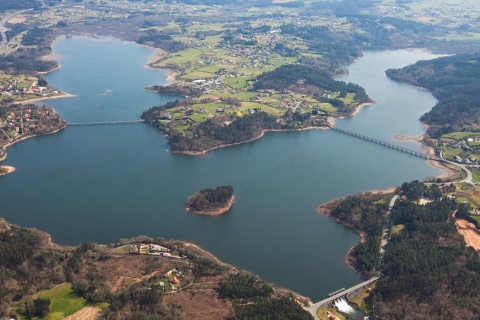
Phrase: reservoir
(103, 183)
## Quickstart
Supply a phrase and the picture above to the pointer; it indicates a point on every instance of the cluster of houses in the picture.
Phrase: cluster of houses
(153, 249)
(20, 120)
(466, 145)
(171, 280)
(15, 89)
(461, 15)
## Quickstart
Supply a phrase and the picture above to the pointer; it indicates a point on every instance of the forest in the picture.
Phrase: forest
(314, 81)
(213, 132)
(210, 199)
(431, 274)
(455, 82)
(364, 213)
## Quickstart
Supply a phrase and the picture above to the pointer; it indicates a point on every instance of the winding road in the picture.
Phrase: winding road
(384, 241)
(3, 22)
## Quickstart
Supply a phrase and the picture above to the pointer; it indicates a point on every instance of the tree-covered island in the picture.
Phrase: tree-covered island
(211, 201)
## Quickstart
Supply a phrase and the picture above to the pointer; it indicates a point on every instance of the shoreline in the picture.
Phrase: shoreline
(201, 153)
(445, 172)
(215, 212)
(35, 100)
(323, 210)
(9, 169)
(11, 143)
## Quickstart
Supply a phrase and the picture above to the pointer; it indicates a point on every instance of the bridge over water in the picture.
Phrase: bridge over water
(313, 308)
(101, 123)
(386, 144)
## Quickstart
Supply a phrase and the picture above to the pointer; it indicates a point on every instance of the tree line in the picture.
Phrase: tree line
(364, 213)
(430, 272)
(455, 82)
(210, 199)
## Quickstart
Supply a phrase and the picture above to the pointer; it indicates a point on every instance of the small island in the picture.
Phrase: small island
(211, 201)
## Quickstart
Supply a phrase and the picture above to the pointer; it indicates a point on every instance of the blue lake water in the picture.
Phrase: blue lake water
(103, 183)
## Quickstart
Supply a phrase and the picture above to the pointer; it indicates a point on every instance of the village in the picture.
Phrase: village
(460, 147)
(24, 87)
(20, 121)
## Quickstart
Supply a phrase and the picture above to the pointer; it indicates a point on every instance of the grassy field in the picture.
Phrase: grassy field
(459, 135)
(475, 174)
(396, 229)
(63, 302)
(476, 218)
(322, 313)
(360, 298)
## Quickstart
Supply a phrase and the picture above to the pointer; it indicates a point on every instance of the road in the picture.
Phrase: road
(469, 178)
(3, 22)
(384, 241)
(385, 233)
(313, 308)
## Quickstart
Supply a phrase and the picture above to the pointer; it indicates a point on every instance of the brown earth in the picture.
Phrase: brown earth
(469, 233)
(86, 313)
(201, 304)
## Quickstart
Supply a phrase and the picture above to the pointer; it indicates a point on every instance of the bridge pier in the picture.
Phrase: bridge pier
(386, 144)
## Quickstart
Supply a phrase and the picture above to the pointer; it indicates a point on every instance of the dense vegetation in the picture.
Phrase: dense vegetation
(177, 90)
(431, 274)
(162, 41)
(210, 199)
(365, 213)
(35, 36)
(455, 81)
(314, 82)
(30, 262)
(27, 61)
(214, 132)
(25, 266)
(255, 299)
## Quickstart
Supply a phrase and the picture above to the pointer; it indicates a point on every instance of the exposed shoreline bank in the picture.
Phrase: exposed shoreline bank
(200, 153)
(215, 212)
(11, 143)
(324, 210)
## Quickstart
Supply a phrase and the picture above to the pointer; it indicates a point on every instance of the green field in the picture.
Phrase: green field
(476, 218)
(63, 302)
(459, 135)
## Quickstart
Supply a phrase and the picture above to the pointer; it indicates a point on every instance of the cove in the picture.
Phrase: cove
(103, 183)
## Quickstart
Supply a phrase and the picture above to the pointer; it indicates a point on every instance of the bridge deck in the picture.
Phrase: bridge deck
(100, 123)
(386, 144)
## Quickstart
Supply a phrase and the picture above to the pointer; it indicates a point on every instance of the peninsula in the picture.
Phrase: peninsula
(211, 201)
(159, 279)
(22, 121)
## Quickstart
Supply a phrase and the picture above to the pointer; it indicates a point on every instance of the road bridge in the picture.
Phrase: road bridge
(313, 309)
(387, 144)
(101, 123)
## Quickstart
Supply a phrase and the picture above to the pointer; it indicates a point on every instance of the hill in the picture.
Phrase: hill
(455, 81)
(141, 278)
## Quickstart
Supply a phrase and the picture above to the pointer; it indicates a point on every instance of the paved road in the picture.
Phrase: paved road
(385, 233)
(313, 309)
(3, 22)
(469, 178)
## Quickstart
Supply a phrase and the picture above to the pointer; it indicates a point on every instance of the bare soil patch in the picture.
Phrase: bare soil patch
(86, 313)
(469, 233)
(201, 304)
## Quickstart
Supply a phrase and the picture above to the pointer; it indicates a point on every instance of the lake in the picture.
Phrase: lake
(103, 183)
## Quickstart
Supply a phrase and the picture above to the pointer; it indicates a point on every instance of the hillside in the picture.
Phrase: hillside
(142, 278)
(455, 82)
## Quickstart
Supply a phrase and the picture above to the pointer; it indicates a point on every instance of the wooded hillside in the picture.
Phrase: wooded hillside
(455, 81)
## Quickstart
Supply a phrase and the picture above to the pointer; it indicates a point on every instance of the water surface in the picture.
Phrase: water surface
(103, 183)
